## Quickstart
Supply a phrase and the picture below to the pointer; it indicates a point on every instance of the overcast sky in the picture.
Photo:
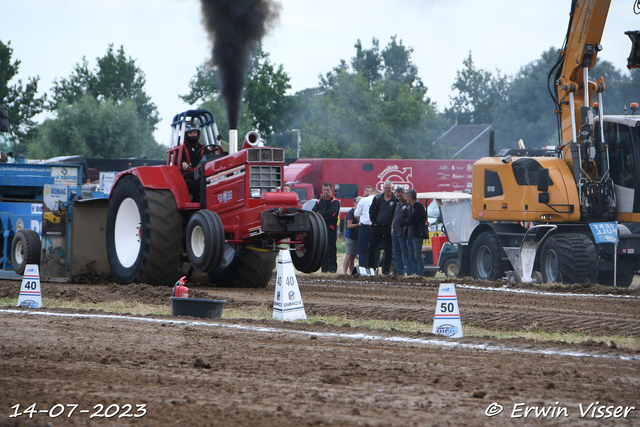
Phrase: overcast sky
(168, 42)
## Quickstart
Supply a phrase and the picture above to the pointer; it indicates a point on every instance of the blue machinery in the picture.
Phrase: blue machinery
(47, 198)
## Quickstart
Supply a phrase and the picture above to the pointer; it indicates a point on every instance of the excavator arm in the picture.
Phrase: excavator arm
(586, 25)
(574, 92)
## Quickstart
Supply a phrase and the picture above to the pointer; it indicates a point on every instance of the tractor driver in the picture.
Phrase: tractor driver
(191, 154)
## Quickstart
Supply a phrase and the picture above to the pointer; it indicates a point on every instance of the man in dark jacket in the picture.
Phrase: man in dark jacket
(400, 249)
(191, 155)
(415, 222)
(329, 208)
(381, 214)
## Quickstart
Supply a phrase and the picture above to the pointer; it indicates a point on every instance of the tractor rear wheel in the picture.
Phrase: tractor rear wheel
(144, 234)
(486, 259)
(308, 257)
(569, 258)
(205, 240)
(248, 269)
(25, 249)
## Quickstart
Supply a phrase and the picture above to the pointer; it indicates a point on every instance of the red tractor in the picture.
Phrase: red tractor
(233, 232)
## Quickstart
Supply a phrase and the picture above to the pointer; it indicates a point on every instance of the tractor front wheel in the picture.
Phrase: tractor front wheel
(205, 240)
(308, 256)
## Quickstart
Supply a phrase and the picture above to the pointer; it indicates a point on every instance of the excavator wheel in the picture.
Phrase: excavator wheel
(486, 260)
(569, 258)
(144, 234)
(248, 269)
(205, 240)
(25, 249)
(308, 258)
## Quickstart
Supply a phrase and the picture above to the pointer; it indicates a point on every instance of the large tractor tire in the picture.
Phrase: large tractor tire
(486, 259)
(308, 257)
(569, 258)
(248, 269)
(25, 249)
(205, 240)
(144, 234)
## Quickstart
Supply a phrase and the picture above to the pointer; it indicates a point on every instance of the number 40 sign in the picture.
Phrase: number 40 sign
(30, 294)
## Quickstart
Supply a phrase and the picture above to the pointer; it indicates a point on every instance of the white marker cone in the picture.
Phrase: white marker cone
(30, 295)
(287, 302)
(447, 319)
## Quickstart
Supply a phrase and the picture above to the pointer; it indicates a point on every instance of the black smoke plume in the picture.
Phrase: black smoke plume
(234, 28)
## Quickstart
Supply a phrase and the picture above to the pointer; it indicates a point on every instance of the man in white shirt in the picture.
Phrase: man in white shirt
(362, 214)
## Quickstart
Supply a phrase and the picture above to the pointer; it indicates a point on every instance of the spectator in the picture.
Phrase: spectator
(286, 188)
(367, 191)
(329, 209)
(381, 214)
(400, 249)
(362, 214)
(416, 230)
(351, 235)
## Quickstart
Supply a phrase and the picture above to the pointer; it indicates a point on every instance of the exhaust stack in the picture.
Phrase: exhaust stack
(233, 141)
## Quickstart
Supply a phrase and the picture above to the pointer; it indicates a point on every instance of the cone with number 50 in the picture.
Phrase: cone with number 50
(447, 319)
(287, 302)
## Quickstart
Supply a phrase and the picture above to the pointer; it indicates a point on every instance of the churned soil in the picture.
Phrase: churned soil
(164, 370)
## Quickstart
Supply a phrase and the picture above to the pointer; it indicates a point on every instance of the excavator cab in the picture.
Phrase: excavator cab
(622, 135)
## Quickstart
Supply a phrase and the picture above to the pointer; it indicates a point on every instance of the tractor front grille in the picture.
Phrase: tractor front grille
(267, 178)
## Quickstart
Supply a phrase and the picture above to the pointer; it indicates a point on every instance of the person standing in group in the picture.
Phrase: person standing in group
(351, 235)
(329, 209)
(416, 230)
(367, 191)
(364, 235)
(400, 249)
(381, 213)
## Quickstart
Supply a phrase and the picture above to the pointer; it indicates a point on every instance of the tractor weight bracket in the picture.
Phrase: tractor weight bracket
(277, 220)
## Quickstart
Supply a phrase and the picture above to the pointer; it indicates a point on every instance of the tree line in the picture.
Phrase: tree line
(373, 106)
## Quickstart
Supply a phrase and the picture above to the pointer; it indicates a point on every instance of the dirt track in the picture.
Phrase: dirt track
(231, 372)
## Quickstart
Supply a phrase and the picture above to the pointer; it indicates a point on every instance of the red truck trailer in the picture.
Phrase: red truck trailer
(350, 176)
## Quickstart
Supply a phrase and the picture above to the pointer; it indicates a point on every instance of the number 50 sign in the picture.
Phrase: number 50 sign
(447, 318)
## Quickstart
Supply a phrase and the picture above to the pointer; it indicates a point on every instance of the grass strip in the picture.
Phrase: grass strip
(266, 312)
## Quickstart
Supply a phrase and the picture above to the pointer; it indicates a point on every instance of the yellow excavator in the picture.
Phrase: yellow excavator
(535, 206)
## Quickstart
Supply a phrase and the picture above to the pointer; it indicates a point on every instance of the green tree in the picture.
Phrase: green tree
(265, 100)
(622, 87)
(116, 78)
(528, 113)
(377, 107)
(479, 92)
(20, 100)
(94, 128)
